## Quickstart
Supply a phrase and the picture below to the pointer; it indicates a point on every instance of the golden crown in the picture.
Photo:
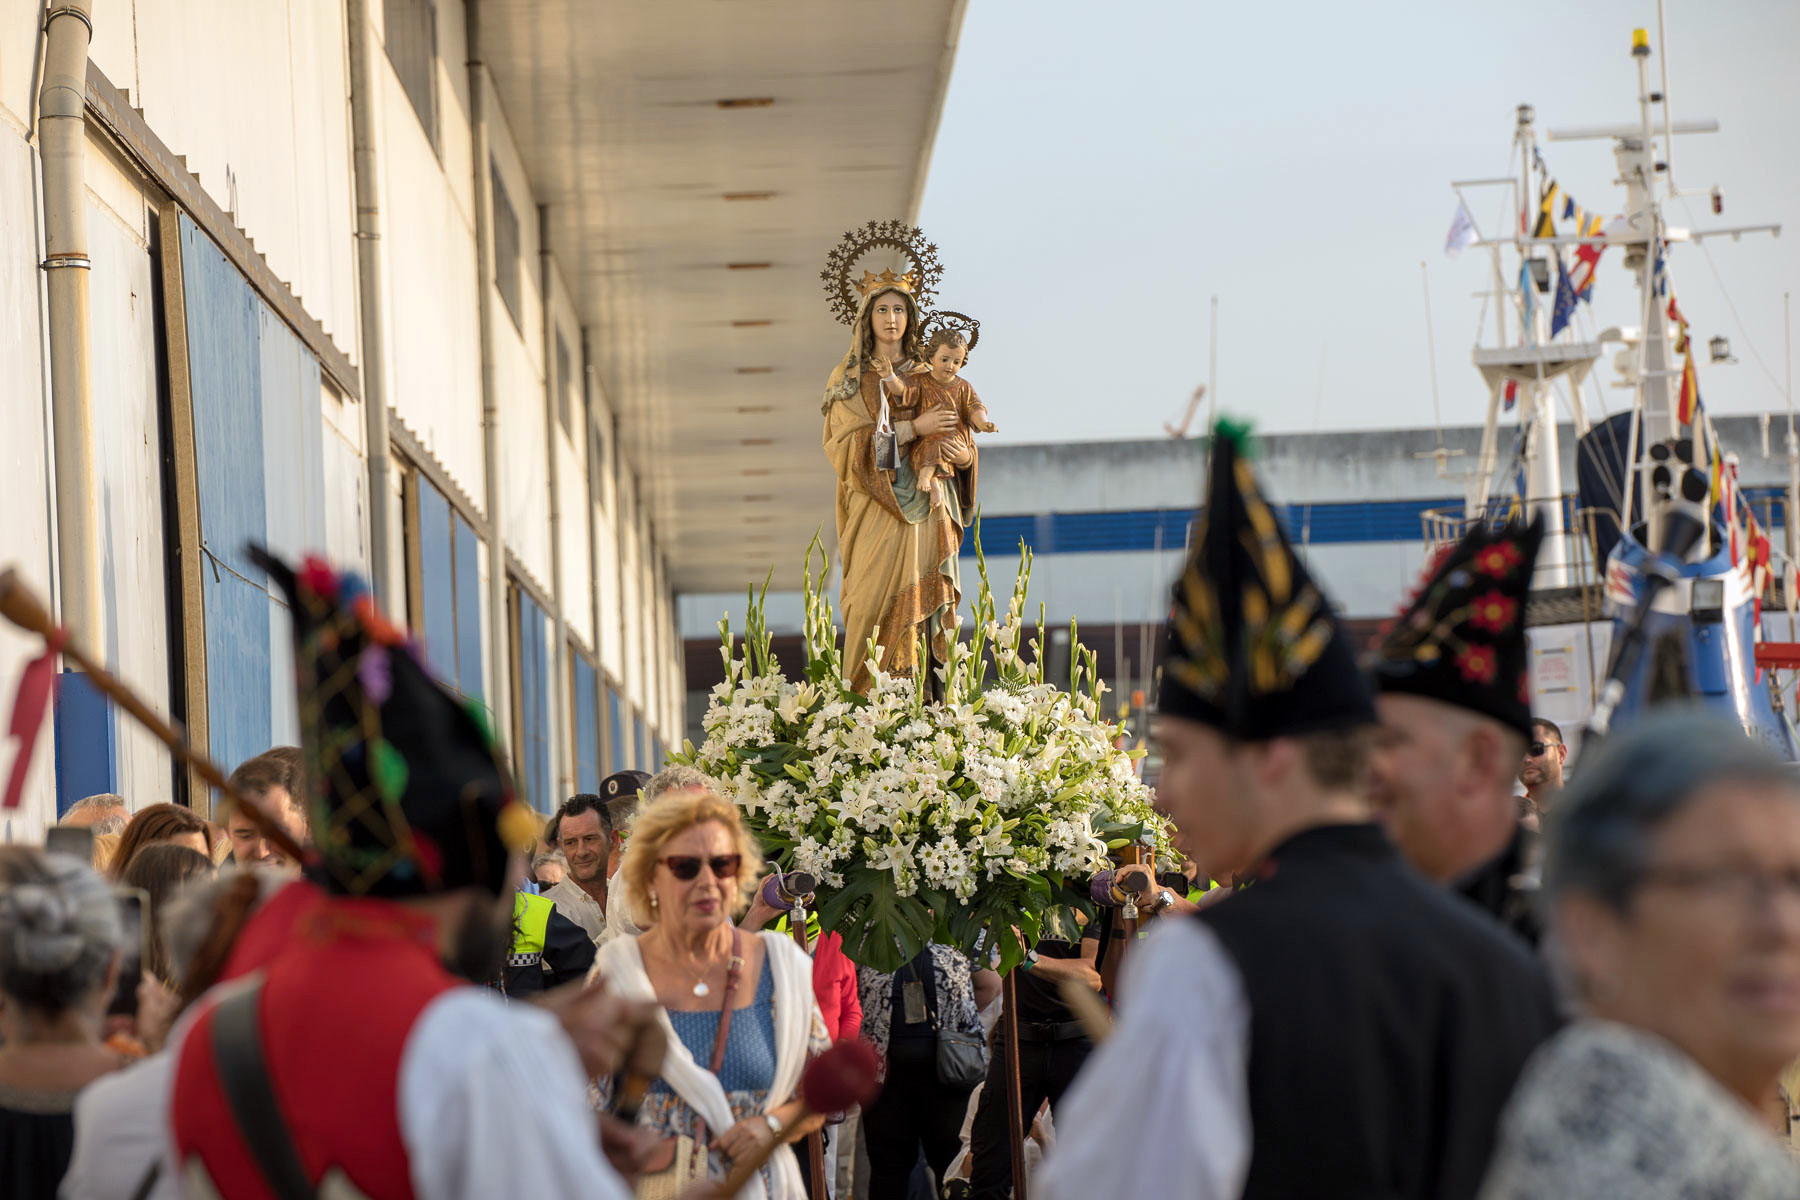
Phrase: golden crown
(871, 281)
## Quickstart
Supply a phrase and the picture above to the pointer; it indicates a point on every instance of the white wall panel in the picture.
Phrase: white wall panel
(128, 469)
(434, 346)
(577, 585)
(325, 278)
(524, 472)
(20, 21)
(346, 483)
(24, 483)
(252, 95)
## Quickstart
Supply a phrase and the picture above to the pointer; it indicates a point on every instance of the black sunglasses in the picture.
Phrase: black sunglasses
(1538, 748)
(686, 867)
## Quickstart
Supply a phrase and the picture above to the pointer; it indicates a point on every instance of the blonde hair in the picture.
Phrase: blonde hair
(106, 848)
(660, 820)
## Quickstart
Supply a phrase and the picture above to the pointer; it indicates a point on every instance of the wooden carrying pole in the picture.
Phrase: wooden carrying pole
(1015, 1102)
(815, 1142)
(22, 607)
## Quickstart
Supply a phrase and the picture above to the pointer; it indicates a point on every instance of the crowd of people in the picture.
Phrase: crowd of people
(1431, 964)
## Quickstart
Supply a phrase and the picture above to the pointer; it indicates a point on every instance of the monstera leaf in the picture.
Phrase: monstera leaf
(881, 930)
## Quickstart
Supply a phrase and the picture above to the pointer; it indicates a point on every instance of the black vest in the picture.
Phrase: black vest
(1388, 1022)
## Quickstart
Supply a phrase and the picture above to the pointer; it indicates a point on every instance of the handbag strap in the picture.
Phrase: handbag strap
(249, 1093)
(723, 1035)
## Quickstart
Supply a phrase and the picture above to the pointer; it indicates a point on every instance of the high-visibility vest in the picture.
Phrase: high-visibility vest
(531, 919)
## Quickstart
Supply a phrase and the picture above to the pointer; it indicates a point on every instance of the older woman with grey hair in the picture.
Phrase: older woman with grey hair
(59, 957)
(1672, 889)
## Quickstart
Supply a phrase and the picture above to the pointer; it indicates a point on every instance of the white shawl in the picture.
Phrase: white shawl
(621, 964)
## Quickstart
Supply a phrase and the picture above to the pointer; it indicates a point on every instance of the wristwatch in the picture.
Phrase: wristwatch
(774, 1122)
(1031, 960)
(1165, 900)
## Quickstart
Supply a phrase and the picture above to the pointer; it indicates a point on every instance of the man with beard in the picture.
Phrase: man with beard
(1454, 699)
(1541, 773)
(359, 1060)
(1339, 1027)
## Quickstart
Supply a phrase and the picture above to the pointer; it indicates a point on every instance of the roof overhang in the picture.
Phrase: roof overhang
(691, 220)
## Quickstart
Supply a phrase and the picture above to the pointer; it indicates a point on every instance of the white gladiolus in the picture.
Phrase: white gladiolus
(1010, 778)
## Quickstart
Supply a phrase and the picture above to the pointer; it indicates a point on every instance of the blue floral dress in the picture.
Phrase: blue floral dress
(747, 1072)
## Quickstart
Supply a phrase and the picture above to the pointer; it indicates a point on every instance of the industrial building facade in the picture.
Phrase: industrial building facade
(312, 229)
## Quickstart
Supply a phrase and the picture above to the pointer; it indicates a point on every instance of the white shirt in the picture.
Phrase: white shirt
(120, 1132)
(618, 921)
(573, 902)
(492, 1103)
(1164, 1100)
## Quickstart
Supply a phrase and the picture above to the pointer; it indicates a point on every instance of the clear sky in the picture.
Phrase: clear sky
(1102, 170)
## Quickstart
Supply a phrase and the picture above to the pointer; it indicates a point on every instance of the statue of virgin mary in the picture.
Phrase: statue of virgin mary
(899, 550)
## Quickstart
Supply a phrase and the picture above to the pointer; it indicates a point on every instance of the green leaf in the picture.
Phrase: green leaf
(881, 930)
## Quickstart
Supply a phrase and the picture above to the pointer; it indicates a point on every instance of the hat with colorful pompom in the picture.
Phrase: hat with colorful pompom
(1461, 640)
(409, 796)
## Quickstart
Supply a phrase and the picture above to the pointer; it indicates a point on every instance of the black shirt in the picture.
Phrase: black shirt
(918, 970)
(1040, 997)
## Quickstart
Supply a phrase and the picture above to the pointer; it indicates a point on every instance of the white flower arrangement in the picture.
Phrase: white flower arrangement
(981, 812)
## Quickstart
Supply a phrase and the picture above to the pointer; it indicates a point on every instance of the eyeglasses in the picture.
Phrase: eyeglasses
(1538, 748)
(686, 867)
(1742, 886)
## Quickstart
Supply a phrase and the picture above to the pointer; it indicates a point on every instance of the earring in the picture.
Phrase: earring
(652, 899)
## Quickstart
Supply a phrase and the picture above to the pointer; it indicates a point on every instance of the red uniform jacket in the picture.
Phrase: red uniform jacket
(337, 1006)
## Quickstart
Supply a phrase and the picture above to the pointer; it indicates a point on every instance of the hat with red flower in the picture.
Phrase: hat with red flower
(409, 795)
(1461, 639)
(1253, 648)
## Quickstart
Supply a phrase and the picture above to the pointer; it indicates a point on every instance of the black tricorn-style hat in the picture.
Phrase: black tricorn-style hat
(1252, 647)
(408, 795)
(1461, 639)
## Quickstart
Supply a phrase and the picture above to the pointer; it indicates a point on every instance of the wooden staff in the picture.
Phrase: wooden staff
(22, 607)
(815, 1141)
(1015, 1100)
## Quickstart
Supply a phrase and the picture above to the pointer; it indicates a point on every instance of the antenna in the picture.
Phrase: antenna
(1212, 369)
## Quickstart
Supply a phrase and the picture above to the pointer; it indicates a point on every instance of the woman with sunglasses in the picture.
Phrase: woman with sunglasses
(737, 1007)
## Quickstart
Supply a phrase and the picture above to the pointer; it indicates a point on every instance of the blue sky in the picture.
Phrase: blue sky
(1102, 170)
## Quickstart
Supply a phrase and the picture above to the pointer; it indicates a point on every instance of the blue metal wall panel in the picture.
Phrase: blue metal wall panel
(224, 366)
(618, 755)
(533, 705)
(86, 741)
(587, 726)
(468, 609)
(639, 755)
(437, 580)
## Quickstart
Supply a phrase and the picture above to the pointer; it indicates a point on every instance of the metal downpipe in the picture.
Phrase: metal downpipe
(560, 724)
(499, 669)
(62, 147)
(374, 322)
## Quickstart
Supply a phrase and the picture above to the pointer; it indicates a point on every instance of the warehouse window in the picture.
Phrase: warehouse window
(531, 699)
(564, 385)
(506, 249)
(411, 36)
(584, 711)
(444, 586)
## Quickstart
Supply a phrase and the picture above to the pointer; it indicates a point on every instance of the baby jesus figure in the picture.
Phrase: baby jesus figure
(937, 455)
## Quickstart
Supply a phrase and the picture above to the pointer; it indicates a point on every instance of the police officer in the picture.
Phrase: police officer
(548, 949)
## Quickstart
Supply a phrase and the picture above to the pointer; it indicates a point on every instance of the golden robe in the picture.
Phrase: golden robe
(899, 549)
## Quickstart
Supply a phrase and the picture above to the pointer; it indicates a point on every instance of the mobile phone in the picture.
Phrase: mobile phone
(76, 841)
(134, 906)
